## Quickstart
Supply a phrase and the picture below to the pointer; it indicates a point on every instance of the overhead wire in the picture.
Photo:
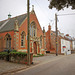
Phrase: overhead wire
(43, 10)
(66, 14)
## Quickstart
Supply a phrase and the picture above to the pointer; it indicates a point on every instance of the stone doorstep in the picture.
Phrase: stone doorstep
(13, 71)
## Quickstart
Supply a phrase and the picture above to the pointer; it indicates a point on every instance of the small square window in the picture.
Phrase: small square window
(51, 34)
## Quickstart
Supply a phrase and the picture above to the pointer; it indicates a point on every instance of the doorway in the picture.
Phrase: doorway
(35, 48)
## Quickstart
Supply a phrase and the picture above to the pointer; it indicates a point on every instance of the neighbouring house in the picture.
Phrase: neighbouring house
(64, 42)
(65, 47)
(69, 38)
(73, 44)
(51, 41)
(13, 34)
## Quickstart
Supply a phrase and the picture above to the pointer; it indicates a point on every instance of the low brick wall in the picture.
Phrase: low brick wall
(17, 58)
(20, 59)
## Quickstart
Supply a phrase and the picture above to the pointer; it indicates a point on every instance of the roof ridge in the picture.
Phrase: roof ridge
(18, 16)
(13, 17)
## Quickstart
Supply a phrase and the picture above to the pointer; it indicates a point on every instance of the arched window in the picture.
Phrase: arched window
(41, 41)
(30, 29)
(23, 39)
(33, 29)
(8, 41)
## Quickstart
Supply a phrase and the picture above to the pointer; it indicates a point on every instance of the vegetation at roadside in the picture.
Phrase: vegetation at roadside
(18, 53)
(14, 50)
(38, 55)
(3, 53)
(12, 53)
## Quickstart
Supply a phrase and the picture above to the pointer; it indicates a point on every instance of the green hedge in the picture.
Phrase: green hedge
(14, 50)
(3, 54)
(18, 53)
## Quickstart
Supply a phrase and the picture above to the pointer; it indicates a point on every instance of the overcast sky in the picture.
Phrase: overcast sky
(66, 23)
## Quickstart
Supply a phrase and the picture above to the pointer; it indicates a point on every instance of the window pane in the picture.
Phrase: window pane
(22, 42)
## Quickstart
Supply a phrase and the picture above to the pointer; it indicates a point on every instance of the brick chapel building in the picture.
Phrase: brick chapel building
(13, 34)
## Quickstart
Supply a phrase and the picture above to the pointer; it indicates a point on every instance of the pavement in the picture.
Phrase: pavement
(10, 67)
(39, 60)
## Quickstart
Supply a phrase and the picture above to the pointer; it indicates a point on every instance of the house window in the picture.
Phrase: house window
(23, 39)
(74, 42)
(51, 34)
(63, 49)
(62, 42)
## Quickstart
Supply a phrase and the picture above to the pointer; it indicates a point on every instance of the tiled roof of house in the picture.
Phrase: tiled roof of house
(8, 25)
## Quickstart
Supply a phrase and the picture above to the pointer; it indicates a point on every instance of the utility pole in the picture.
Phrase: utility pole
(56, 34)
(28, 34)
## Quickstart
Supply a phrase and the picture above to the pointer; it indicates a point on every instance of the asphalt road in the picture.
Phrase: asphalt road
(58, 66)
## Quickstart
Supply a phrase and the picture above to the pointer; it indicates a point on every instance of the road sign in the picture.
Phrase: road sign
(64, 46)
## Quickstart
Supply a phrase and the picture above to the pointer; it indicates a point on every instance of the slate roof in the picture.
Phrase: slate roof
(9, 25)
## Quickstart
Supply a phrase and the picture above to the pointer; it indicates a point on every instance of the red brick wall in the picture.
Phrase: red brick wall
(3, 39)
(53, 41)
(50, 42)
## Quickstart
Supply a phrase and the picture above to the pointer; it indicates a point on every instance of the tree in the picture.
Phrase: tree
(60, 4)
